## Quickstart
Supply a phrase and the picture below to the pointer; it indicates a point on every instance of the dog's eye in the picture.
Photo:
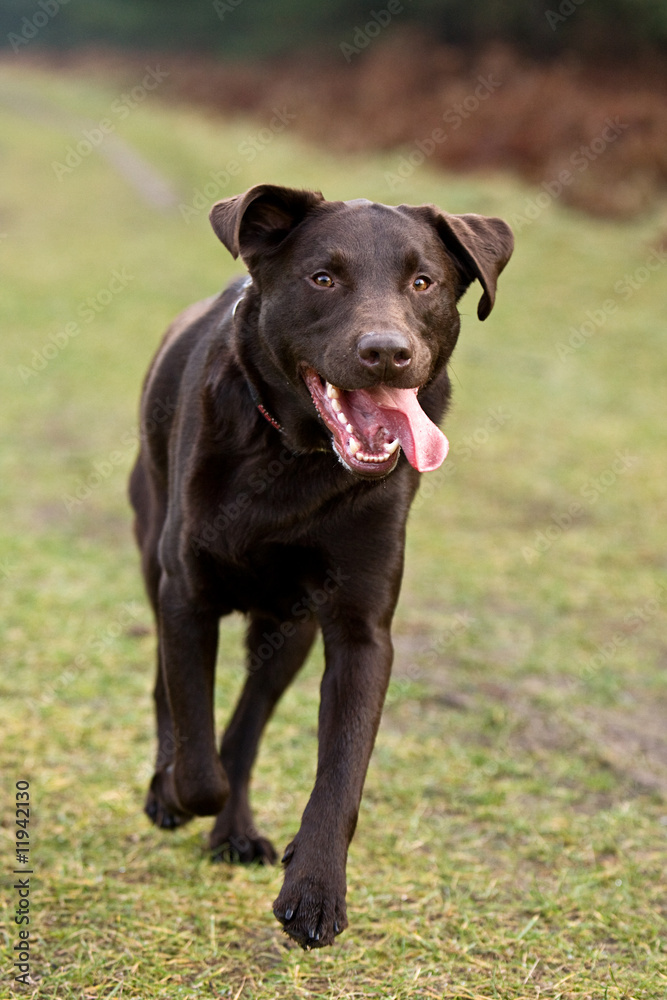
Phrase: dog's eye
(421, 283)
(322, 279)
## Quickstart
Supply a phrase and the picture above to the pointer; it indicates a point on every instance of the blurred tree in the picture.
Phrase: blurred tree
(242, 28)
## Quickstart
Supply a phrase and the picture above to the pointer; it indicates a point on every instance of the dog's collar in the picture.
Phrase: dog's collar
(244, 288)
(262, 409)
(265, 413)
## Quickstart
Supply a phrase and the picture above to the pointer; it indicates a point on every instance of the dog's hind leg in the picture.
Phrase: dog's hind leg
(234, 837)
(150, 507)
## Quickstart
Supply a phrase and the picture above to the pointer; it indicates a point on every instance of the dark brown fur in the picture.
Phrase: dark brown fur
(234, 514)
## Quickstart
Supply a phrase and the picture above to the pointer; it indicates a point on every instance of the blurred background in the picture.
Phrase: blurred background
(358, 76)
(512, 836)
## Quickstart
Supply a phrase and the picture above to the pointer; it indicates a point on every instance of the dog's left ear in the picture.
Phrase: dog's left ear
(261, 218)
(480, 245)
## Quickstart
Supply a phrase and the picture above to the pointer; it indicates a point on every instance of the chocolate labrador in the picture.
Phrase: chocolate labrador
(285, 424)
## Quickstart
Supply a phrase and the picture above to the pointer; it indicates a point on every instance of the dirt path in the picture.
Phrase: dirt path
(153, 189)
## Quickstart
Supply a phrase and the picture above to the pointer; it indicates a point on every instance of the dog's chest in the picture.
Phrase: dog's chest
(237, 506)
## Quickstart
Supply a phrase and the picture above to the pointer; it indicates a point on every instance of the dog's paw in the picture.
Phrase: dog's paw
(161, 806)
(242, 849)
(234, 839)
(311, 911)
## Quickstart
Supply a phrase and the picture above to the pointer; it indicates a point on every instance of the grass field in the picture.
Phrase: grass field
(512, 838)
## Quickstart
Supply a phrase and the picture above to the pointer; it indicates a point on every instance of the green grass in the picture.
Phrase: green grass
(511, 842)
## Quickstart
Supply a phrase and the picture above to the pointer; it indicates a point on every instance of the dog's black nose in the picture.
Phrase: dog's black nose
(385, 353)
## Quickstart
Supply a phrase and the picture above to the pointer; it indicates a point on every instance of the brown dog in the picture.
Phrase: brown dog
(285, 424)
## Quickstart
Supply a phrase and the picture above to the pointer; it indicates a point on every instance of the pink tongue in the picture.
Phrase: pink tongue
(424, 444)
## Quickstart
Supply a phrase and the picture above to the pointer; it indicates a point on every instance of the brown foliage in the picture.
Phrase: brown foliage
(537, 118)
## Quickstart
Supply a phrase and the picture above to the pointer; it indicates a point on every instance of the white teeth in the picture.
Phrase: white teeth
(353, 445)
(364, 456)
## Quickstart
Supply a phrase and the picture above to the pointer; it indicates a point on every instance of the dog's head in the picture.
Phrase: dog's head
(355, 309)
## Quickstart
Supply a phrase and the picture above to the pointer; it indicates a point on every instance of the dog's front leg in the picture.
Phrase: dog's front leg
(311, 904)
(194, 782)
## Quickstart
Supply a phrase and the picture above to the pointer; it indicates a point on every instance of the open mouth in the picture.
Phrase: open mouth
(370, 426)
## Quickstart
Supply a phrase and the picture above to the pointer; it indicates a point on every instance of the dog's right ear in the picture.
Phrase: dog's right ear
(261, 218)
